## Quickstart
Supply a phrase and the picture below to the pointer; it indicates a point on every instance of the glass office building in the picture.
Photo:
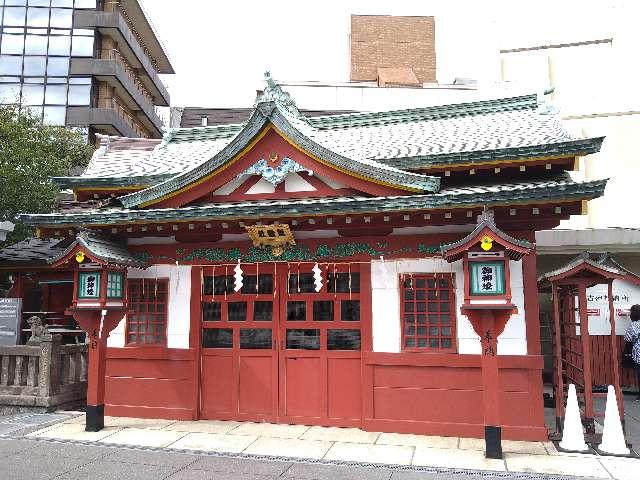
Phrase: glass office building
(57, 57)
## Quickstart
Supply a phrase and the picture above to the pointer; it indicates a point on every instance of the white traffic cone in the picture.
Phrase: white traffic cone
(572, 434)
(612, 436)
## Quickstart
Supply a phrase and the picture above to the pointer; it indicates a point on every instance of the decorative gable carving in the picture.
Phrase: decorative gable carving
(275, 174)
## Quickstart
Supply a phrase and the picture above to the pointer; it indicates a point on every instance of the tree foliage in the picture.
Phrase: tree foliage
(30, 153)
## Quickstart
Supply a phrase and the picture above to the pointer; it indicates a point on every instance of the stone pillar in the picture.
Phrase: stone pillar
(49, 373)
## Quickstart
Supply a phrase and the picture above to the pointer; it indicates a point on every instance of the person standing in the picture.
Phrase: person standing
(632, 337)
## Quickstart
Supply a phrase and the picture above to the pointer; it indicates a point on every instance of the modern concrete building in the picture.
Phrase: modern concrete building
(92, 64)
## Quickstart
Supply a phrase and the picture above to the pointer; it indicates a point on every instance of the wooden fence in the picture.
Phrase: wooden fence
(601, 363)
(46, 376)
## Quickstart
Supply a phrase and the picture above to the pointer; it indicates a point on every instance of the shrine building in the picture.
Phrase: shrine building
(365, 269)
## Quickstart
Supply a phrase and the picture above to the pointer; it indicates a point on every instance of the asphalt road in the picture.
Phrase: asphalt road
(23, 459)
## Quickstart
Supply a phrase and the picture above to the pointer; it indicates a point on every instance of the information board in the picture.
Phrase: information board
(10, 320)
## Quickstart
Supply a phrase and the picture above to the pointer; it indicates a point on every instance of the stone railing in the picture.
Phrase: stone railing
(42, 376)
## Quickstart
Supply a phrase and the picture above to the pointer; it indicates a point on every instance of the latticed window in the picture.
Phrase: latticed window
(148, 299)
(115, 283)
(428, 312)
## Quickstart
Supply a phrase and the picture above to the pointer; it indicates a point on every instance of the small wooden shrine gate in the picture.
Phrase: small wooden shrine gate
(572, 345)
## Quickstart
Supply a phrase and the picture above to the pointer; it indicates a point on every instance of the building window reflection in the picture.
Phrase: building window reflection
(36, 43)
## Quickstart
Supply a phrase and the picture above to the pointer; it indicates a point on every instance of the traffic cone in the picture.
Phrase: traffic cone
(612, 436)
(572, 434)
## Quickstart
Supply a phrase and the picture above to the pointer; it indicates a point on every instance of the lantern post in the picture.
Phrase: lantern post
(486, 254)
(99, 305)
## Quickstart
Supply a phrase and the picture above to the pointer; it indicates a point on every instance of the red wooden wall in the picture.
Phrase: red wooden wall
(442, 395)
(149, 382)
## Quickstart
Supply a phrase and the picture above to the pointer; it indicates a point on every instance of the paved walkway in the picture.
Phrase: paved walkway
(335, 446)
(48, 460)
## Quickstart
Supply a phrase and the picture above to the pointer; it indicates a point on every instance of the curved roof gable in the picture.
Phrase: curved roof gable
(99, 249)
(275, 107)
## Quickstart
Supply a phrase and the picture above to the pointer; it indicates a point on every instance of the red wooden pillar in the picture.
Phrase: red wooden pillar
(586, 357)
(557, 347)
(615, 356)
(95, 379)
(195, 333)
(531, 303)
(98, 324)
(489, 364)
(489, 323)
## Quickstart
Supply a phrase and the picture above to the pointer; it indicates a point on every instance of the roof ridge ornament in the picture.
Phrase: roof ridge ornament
(545, 106)
(274, 93)
(487, 216)
(166, 138)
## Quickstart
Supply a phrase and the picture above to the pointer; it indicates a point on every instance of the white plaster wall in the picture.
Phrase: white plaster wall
(598, 302)
(385, 306)
(179, 314)
(295, 183)
(231, 186)
(513, 340)
(262, 186)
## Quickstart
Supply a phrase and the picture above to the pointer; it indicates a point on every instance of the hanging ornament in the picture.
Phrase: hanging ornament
(226, 280)
(237, 284)
(317, 277)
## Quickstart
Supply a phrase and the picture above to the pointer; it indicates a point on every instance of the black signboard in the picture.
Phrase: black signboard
(10, 320)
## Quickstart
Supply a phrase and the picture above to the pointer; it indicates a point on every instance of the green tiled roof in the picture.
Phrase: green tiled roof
(274, 107)
(110, 182)
(558, 189)
(383, 146)
(486, 220)
(107, 249)
(32, 251)
(601, 261)
(437, 112)
(577, 147)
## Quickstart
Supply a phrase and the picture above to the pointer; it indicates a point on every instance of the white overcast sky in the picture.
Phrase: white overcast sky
(220, 49)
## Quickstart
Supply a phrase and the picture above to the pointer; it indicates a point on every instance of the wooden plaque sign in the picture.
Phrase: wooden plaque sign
(10, 320)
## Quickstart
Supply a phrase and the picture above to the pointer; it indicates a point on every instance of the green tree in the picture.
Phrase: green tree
(30, 153)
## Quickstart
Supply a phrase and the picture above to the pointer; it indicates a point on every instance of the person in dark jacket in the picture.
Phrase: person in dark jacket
(632, 336)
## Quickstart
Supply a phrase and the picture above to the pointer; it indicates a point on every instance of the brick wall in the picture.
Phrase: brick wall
(390, 41)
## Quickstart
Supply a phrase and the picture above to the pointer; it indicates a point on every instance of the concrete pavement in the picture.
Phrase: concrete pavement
(26, 459)
(56, 446)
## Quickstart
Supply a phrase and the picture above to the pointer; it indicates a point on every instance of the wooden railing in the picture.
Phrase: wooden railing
(47, 375)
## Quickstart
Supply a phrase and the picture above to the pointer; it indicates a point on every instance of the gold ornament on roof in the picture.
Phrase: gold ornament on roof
(486, 243)
(277, 236)
(80, 257)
